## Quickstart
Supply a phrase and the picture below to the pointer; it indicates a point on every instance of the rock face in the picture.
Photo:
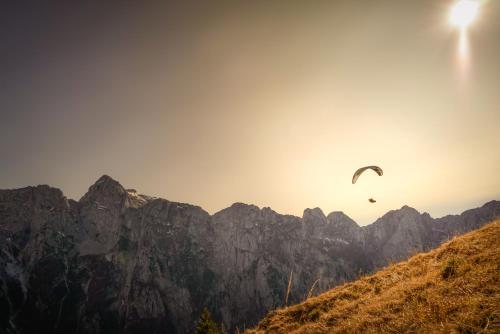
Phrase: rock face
(120, 262)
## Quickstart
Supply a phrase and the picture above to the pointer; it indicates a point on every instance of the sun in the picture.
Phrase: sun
(463, 13)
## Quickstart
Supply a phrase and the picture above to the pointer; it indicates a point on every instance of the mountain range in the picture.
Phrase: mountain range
(117, 261)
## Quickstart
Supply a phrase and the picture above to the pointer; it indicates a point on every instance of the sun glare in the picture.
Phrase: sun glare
(463, 13)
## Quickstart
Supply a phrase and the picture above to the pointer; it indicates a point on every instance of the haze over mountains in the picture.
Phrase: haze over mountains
(119, 261)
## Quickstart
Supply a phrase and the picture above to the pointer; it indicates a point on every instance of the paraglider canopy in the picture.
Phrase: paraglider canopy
(361, 170)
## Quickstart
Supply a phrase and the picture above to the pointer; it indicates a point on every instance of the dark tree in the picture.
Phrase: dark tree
(206, 325)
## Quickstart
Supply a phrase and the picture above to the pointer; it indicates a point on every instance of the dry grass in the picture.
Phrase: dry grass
(453, 289)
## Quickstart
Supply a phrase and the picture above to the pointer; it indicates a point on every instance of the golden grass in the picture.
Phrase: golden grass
(453, 289)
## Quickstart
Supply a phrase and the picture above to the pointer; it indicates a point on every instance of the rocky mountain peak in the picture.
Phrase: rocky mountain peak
(314, 222)
(105, 189)
(492, 204)
(239, 206)
(405, 214)
(105, 186)
(341, 219)
(342, 226)
(238, 209)
(408, 209)
(100, 211)
(313, 216)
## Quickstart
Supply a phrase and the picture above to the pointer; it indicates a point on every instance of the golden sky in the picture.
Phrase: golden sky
(270, 103)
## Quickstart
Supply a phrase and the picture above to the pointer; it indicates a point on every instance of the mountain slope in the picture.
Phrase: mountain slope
(117, 261)
(453, 289)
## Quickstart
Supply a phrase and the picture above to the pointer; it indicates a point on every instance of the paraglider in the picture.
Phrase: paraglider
(361, 170)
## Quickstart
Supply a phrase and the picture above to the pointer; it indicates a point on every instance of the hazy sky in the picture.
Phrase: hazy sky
(270, 103)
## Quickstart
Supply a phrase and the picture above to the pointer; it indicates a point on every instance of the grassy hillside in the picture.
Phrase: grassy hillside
(452, 289)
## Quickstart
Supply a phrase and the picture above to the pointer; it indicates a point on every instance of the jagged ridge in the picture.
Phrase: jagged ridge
(118, 261)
